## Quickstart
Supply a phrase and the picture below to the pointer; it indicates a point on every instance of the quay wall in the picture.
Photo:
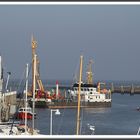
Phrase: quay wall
(10, 97)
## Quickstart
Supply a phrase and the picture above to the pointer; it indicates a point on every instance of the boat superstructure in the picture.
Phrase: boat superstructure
(89, 93)
(21, 114)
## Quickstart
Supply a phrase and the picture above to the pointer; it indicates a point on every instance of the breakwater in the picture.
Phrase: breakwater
(123, 89)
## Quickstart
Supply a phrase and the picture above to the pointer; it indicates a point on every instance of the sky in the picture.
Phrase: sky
(108, 34)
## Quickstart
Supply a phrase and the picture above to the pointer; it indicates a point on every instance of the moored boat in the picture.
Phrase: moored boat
(90, 98)
(21, 114)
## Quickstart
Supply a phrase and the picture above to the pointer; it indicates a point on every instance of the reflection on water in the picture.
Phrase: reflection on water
(97, 110)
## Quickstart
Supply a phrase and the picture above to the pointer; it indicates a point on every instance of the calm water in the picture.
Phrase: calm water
(121, 119)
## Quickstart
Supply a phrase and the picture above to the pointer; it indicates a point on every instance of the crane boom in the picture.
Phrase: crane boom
(89, 73)
(34, 46)
(37, 75)
(40, 84)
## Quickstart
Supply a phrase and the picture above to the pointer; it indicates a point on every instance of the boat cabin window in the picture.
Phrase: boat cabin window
(21, 109)
(98, 97)
(28, 109)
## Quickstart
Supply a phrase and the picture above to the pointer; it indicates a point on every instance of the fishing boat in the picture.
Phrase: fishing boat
(26, 112)
(22, 111)
(92, 95)
(23, 114)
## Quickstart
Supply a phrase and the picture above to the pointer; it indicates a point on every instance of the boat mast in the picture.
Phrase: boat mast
(34, 89)
(1, 85)
(79, 97)
(34, 46)
(89, 73)
(9, 73)
(26, 102)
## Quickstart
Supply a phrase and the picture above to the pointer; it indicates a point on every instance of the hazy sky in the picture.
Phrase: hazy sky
(108, 34)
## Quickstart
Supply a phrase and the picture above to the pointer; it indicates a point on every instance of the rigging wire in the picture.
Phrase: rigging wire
(75, 74)
(14, 116)
(74, 80)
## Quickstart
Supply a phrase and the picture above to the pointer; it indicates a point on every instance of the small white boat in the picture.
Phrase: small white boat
(16, 129)
(6, 130)
(22, 130)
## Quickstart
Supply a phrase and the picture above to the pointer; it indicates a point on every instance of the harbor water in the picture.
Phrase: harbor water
(121, 119)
